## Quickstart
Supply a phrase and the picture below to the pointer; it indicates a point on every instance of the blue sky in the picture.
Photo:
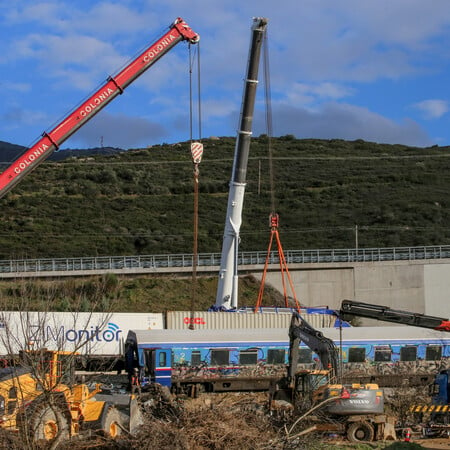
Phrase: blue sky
(348, 69)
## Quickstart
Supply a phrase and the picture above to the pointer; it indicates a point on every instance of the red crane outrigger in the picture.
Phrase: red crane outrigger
(115, 85)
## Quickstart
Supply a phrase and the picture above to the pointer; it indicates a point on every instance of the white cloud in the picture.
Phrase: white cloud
(17, 87)
(14, 117)
(118, 130)
(321, 52)
(73, 60)
(303, 93)
(344, 121)
(433, 108)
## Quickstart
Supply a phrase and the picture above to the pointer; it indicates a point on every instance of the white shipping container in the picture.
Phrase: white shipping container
(87, 333)
(179, 320)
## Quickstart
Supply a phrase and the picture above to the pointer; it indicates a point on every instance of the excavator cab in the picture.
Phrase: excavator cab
(311, 383)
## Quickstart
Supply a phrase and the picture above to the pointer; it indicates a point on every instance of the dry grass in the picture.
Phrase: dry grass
(231, 421)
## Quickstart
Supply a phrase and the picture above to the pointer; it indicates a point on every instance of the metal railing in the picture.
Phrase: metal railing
(176, 261)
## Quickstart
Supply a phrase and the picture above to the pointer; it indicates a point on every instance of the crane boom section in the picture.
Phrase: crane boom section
(384, 313)
(113, 87)
(226, 297)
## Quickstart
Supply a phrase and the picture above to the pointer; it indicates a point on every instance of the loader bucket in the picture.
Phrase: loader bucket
(136, 418)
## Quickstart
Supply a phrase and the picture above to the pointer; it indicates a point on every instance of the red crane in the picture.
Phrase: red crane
(114, 86)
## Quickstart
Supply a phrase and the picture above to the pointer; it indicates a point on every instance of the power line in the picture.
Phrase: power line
(133, 234)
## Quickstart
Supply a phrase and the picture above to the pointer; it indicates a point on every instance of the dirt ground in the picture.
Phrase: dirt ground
(438, 443)
(230, 421)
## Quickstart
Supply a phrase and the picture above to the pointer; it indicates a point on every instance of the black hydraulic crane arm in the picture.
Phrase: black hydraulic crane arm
(370, 311)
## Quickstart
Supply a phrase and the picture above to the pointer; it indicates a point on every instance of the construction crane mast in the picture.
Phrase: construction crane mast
(227, 289)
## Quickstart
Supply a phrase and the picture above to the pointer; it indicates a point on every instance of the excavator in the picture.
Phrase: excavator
(438, 412)
(356, 410)
(43, 407)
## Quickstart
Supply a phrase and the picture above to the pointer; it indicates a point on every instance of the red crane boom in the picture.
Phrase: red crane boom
(114, 86)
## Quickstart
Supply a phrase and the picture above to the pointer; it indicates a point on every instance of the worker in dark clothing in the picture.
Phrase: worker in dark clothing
(135, 382)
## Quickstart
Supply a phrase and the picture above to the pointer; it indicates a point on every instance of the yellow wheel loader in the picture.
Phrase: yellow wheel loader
(37, 401)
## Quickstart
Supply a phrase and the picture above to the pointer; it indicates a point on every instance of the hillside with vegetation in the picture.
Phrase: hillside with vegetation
(141, 201)
(152, 293)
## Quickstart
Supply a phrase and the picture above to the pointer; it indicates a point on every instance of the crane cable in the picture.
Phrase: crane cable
(274, 218)
(268, 111)
(191, 101)
(196, 152)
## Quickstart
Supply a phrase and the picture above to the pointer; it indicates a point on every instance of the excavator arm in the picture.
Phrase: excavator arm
(113, 87)
(384, 313)
(301, 330)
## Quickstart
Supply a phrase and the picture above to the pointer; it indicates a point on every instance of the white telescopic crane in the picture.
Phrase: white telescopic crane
(227, 289)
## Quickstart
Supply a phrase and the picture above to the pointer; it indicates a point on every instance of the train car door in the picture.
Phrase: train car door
(159, 365)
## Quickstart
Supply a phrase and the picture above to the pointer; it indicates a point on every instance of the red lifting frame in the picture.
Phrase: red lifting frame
(274, 219)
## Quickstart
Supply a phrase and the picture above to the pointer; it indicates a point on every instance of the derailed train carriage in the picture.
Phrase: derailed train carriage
(98, 338)
(248, 359)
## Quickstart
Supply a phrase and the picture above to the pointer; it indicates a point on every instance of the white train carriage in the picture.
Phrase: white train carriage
(97, 338)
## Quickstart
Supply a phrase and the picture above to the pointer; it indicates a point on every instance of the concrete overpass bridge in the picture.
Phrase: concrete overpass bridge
(410, 278)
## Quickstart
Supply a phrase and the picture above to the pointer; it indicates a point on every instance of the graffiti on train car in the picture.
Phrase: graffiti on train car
(184, 359)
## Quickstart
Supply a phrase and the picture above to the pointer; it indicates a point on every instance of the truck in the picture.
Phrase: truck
(434, 417)
(97, 338)
(355, 410)
(387, 314)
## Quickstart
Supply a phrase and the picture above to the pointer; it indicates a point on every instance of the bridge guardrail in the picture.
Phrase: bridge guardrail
(115, 263)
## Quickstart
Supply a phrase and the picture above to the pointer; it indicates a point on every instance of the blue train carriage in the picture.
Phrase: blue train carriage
(190, 361)
(209, 360)
(392, 350)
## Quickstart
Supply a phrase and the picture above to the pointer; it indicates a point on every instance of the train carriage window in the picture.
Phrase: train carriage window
(162, 360)
(304, 356)
(276, 356)
(408, 353)
(220, 357)
(433, 352)
(383, 354)
(248, 357)
(356, 354)
(195, 358)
